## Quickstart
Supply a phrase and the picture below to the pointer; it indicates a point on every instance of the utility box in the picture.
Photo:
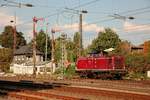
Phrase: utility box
(148, 74)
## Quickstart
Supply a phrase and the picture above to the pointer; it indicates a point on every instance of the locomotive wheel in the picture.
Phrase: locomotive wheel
(83, 74)
(101, 75)
(118, 76)
(104, 75)
(91, 75)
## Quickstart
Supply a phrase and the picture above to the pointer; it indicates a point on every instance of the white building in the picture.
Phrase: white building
(23, 62)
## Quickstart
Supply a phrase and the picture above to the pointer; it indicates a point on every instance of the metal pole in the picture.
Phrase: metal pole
(52, 52)
(80, 12)
(63, 61)
(46, 47)
(14, 34)
(34, 46)
(46, 43)
(80, 32)
(62, 57)
(52, 46)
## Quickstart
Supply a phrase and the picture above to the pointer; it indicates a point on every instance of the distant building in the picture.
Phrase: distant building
(143, 48)
(23, 62)
(147, 47)
(137, 49)
(25, 54)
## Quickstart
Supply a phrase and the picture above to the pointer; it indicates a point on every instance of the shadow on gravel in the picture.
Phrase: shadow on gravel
(11, 86)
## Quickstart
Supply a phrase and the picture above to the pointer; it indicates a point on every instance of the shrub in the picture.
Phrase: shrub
(137, 65)
(67, 72)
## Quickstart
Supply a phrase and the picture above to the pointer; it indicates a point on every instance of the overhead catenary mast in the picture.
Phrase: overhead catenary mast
(14, 33)
(80, 12)
(53, 49)
(46, 42)
(63, 51)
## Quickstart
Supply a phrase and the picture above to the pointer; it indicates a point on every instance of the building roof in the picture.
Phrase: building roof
(26, 50)
(136, 47)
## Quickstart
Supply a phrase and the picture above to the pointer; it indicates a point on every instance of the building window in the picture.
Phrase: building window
(48, 69)
(42, 69)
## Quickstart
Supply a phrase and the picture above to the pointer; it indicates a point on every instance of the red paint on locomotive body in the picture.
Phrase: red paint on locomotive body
(100, 63)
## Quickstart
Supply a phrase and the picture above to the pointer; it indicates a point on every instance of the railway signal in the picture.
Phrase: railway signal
(35, 20)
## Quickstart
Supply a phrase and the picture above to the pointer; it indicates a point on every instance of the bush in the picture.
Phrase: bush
(70, 71)
(136, 76)
(6, 57)
(137, 65)
(5, 67)
(67, 72)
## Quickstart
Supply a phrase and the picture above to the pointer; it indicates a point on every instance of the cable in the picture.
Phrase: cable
(139, 9)
(88, 24)
(8, 1)
(85, 4)
(105, 20)
(64, 10)
(123, 12)
(31, 21)
(128, 33)
(114, 18)
(136, 13)
(17, 4)
(132, 28)
(100, 12)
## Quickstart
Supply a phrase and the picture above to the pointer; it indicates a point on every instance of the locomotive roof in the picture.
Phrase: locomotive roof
(97, 52)
(94, 52)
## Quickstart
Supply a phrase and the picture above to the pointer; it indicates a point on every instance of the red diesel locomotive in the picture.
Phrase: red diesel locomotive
(100, 66)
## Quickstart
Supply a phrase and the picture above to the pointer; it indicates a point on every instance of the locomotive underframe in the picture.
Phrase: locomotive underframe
(102, 74)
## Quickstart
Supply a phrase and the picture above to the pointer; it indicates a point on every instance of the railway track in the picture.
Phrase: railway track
(28, 91)
(35, 91)
(122, 85)
(74, 90)
(91, 93)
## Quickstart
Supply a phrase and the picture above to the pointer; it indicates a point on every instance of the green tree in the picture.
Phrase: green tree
(135, 62)
(7, 38)
(20, 40)
(105, 40)
(76, 47)
(123, 48)
(70, 49)
(6, 56)
(58, 49)
(41, 43)
(137, 65)
(70, 46)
